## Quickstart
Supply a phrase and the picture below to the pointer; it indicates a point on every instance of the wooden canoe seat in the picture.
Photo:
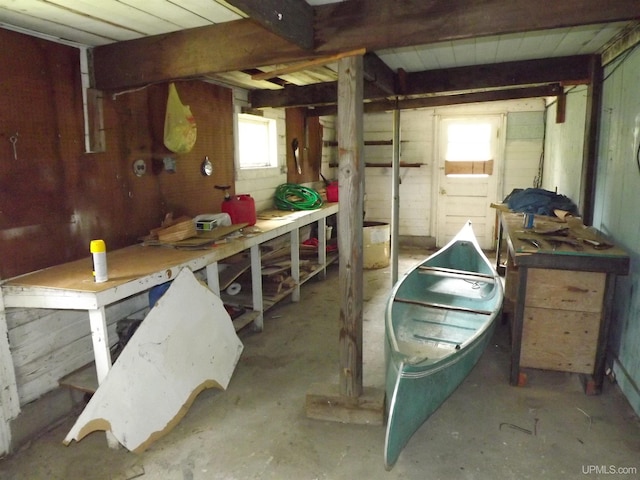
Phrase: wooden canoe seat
(453, 273)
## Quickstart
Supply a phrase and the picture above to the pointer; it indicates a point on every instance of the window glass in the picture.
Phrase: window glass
(469, 149)
(257, 142)
(469, 141)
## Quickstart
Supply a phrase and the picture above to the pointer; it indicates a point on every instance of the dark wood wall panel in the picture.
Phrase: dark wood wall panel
(38, 85)
(308, 131)
(187, 191)
(34, 181)
(55, 197)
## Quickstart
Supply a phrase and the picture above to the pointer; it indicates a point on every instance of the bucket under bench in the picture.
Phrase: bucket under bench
(136, 269)
(559, 287)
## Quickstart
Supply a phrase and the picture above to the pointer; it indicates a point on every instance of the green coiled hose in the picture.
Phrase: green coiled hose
(291, 196)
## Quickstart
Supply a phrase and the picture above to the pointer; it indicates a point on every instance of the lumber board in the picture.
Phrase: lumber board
(232, 271)
(324, 402)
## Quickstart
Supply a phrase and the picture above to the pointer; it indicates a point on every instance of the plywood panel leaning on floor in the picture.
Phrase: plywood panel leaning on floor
(187, 343)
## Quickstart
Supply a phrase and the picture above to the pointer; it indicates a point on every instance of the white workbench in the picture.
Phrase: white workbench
(137, 268)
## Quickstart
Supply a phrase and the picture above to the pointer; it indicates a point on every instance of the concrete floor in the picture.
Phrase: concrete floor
(258, 429)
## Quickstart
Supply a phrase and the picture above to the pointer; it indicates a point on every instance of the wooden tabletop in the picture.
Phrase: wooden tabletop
(553, 243)
(137, 261)
(124, 265)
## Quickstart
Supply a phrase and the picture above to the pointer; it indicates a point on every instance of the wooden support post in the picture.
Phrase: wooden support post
(349, 402)
(350, 222)
(395, 197)
(590, 148)
(561, 107)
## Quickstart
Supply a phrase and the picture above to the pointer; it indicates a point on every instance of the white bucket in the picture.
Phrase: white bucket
(376, 244)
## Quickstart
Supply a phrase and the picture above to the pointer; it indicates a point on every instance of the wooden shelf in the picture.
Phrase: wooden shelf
(245, 298)
(373, 143)
(385, 165)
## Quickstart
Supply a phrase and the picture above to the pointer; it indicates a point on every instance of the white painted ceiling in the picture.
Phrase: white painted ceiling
(92, 23)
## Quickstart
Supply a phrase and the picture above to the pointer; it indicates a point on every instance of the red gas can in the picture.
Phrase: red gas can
(332, 192)
(241, 209)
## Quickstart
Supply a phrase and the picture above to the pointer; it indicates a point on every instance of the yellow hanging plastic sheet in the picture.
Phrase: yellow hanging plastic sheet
(180, 129)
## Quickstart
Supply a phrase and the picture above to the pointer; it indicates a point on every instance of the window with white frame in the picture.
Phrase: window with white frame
(257, 142)
(470, 147)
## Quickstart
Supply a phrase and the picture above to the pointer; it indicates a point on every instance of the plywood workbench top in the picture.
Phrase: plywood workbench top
(124, 265)
(136, 261)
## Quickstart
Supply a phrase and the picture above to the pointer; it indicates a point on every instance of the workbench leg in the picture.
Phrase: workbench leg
(516, 378)
(213, 279)
(322, 245)
(295, 264)
(499, 243)
(592, 384)
(102, 355)
(256, 287)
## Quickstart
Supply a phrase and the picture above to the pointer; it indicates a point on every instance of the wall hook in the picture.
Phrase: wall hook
(14, 139)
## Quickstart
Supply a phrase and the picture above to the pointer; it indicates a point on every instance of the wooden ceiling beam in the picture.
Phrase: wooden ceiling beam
(297, 67)
(382, 24)
(378, 73)
(296, 96)
(446, 100)
(574, 69)
(337, 27)
(290, 19)
(626, 40)
(194, 53)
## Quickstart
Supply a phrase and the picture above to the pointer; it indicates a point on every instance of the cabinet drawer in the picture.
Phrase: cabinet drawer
(565, 290)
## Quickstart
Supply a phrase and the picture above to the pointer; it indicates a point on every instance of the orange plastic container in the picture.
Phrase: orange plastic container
(241, 209)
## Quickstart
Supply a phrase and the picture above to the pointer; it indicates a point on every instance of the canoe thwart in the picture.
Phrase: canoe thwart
(442, 306)
(451, 272)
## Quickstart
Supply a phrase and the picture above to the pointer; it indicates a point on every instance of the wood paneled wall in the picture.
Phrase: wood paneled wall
(308, 131)
(54, 197)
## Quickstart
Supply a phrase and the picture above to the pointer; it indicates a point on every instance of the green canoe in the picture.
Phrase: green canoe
(439, 319)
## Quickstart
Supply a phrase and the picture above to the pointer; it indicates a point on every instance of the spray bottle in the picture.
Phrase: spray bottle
(98, 251)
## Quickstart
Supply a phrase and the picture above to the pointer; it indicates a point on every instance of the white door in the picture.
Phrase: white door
(469, 157)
